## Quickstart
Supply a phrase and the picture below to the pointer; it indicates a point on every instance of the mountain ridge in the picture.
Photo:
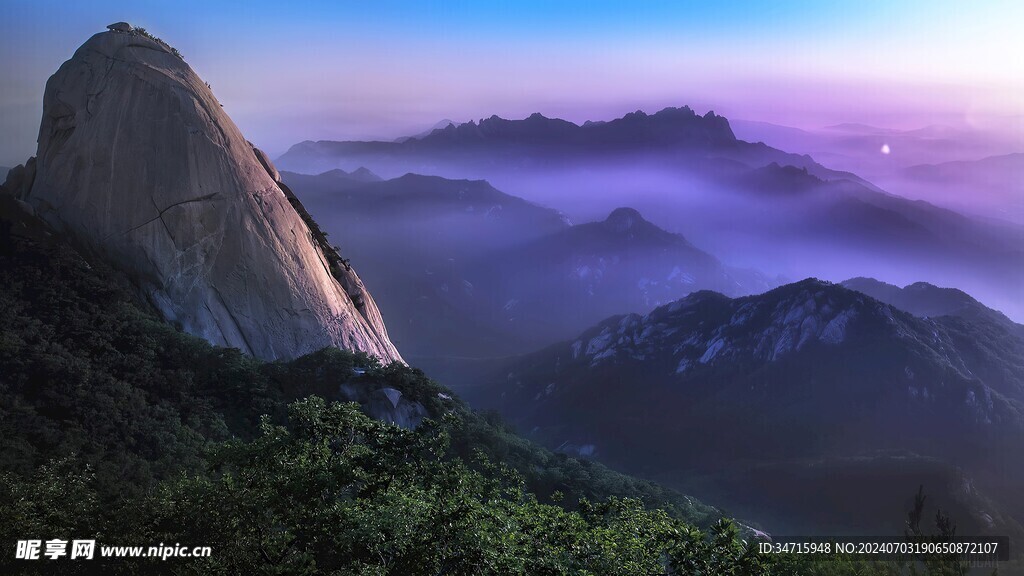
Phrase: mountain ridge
(924, 299)
(536, 126)
(670, 128)
(811, 370)
(669, 125)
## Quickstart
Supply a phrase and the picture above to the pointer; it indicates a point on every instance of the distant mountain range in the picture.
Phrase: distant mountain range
(357, 175)
(669, 127)
(1003, 171)
(927, 301)
(993, 185)
(777, 393)
(464, 269)
(538, 142)
(857, 147)
(961, 168)
(750, 204)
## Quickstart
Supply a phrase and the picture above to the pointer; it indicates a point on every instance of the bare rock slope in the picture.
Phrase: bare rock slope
(139, 161)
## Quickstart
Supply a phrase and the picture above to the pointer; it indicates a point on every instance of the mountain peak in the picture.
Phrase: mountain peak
(364, 174)
(176, 197)
(624, 219)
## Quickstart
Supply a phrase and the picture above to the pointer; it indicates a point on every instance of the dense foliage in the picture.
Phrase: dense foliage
(337, 492)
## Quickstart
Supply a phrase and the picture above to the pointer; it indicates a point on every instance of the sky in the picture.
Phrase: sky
(361, 69)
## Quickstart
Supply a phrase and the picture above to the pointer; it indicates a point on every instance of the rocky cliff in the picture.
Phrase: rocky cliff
(138, 161)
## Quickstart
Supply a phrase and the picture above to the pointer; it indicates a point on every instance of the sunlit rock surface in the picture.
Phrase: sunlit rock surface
(138, 160)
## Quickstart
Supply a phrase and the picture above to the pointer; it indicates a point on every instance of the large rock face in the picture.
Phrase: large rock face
(139, 161)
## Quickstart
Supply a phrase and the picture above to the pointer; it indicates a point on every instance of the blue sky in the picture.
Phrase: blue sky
(288, 71)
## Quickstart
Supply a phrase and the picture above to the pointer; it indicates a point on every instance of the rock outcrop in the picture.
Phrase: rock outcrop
(386, 404)
(138, 161)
